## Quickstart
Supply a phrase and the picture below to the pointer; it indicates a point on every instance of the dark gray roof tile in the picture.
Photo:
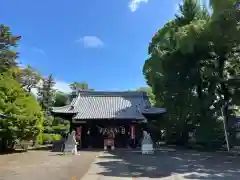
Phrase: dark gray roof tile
(107, 105)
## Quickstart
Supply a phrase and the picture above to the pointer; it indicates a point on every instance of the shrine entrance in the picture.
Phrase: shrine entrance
(116, 116)
(96, 135)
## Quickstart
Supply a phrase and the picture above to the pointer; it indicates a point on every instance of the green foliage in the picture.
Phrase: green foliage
(193, 68)
(25, 116)
(61, 128)
(26, 120)
(80, 86)
(39, 139)
(7, 54)
(46, 93)
(59, 120)
(61, 99)
(57, 125)
(27, 77)
(50, 138)
(150, 94)
(48, 120)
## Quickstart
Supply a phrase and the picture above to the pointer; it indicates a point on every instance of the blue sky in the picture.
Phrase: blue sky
(101, 42)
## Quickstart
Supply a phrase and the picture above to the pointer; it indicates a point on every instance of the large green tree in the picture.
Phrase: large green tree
(60, 99)
(46, 93)
(189, 67)
(28, 77)
(7, 43)
(25, 118)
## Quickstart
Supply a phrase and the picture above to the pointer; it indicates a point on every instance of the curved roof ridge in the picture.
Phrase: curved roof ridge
(75, 100)
(113, 93)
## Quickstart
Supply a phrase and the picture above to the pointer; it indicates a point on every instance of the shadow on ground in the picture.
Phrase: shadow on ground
(42, 148)
(188, 165)
(12, 152)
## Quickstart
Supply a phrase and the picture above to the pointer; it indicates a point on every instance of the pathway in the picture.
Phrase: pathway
(39, 165)
(178, 165)
(117, 165)
(120, 165)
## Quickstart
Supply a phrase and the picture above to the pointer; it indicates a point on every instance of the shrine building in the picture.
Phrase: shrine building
(108, 118)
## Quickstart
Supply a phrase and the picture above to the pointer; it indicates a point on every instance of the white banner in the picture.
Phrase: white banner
(114, 130)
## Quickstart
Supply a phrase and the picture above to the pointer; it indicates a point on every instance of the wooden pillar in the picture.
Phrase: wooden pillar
(71, 128)
(79, 135)
(89, 137)
(133, 135)
(132, 131)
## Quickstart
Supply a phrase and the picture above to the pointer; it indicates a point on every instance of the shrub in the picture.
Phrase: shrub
(39, 139)
(56, 137)
(25, 116)
(50, 138)
(61, 128)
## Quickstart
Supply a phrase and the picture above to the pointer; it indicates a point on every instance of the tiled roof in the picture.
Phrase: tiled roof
(65, 109)
(107, 105)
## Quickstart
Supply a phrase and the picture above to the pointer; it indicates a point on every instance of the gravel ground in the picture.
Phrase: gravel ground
(39, 165)
(178, 165)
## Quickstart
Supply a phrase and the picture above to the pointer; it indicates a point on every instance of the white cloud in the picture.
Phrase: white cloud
(134, 4)
(60, 86)
(91, 42)
(39, 51)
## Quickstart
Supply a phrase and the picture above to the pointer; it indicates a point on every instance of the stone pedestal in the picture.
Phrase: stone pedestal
(109, 142)
(147, 149)
(70, 149)
(147, 145)
(71, 144)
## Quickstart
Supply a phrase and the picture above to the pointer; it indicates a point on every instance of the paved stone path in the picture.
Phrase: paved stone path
(39, 165)
(165, 165)
(119, 165)
(96, 171)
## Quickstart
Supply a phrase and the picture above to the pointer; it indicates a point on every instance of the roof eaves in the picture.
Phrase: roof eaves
(154, 110)
(137, 117)
(63, 109)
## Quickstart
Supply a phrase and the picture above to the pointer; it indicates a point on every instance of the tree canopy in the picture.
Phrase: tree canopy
(76, 86)
(25, 118)
(7, 43)
(61, 99)
(193, 68)
(25, 115)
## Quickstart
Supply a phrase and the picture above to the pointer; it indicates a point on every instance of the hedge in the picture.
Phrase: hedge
(50, 138)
